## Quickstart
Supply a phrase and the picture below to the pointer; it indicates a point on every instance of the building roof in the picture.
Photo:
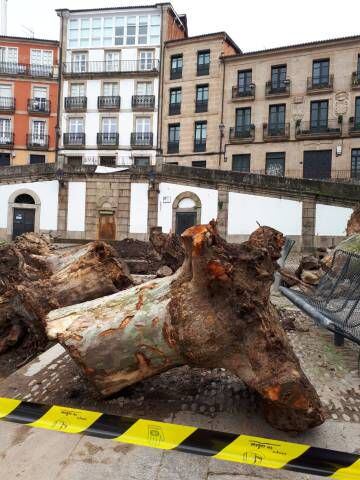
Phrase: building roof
(28, 39)
(196, 38)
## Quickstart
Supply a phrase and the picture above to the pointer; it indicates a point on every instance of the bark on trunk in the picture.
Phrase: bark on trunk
(214, 312)
(35, 278)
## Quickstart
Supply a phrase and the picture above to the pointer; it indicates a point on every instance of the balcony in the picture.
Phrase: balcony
(173, 147)
(203, 69)
(355, 80)
(141, 139)
(36, 141)
(75, 104)
(200, 145)
(74, 140)
(246, 92)
(174, 108)
(10, 69)
(329, 129)
(107, 140)
(320, 84)
(108, 103)
(276, 90)
(175, 73)
(111, 68)
(39, 106)
(6, 139)
(276, 133)
(143, 103)
(201, 106)
(354, 127)
(7, 104)
(245, 134)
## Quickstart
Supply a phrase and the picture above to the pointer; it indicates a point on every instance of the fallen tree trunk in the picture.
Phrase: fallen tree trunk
(36, 277)
(214, 312)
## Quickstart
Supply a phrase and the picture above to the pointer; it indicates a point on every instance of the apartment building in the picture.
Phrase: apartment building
(192, 90)
(28, 100)
(111, 68)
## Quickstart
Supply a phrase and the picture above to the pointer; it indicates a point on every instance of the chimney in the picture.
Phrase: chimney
(3, 17)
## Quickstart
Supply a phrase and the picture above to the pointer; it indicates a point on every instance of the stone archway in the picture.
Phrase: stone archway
(186, 212)
(23, 212)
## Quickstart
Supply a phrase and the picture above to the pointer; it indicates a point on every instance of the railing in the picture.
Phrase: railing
(114, 67)
(39, 105)
(243, 134)
(203, 69)
(246, 92)
(201, 106)
(141, 139)
(109, 103)
(143, 102)
(74, 139)
(110, 139)
(174, 108)
(26, 70)
(331, 128)
(37, 141)
(7, 104)
(199, 145)
(275, 132)
(173, 147)
(320, 83)
(6, 139)
(175, 73)
(355, 79)
(277, 88)
(75, 104)
(354, 126)
(350, 176)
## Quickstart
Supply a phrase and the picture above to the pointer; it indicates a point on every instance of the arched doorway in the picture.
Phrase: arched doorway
(186, 212)
(23, 215)
(107, 224)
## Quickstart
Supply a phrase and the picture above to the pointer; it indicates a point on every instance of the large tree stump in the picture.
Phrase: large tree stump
(214, 312)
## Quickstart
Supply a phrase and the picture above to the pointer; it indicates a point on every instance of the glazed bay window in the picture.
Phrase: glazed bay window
(200, 136)
(175, 101)
(176, 66)
(109, 135)
(76, 132)
(275, 164)
(173, 138)
(6, 134)
(355, 163)
(203, 62)
(202, 98)
(241, 162)
(110, 100)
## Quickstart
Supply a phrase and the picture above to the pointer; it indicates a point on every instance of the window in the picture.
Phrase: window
(36, 159)
(131, 30)
(278, 78)
(38, 129)
(112, 61)
(275, 164)
(144, 88)
(155, 30)
(243, 121)
(109, 125)
(146, 60)
(200, 136)
(244, 82)
(79, 62)
(203, 62)
(175, 101)
(355, 163)
(6, 100)
(5, 90)
(4, 159)
(276, 119)
(77, 90)
(5, 131)
(143, 124)
(319, 115)
(111, 89)
(108, 161)
(96, 32)
(119, 30)
(241, 162)
(85, 32)
(358, 67)
(202, 98)
(41, 57)
(199, 163)
(320, 72)
(76, 125)
(8, 55)
(108, 31)
(174, 138)
(141, 161)
(357, 113)
(40, 99)
(176, 66)
(74, 161)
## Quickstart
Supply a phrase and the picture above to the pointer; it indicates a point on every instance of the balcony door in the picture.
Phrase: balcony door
(278, 77)
(79, 62)
(355, 163)
(143, 125)
(109, 130)
(6, 101)
(112, 61)
(77, 90)
(357, 113)
(111, 89)
(320, 72)
(41, 62)
(277, 119)
(243, 120)
(144, 88)
(38, 132)
(146, 60)
(244, 81)
(319, 115)
(39, 97)
(5, 131)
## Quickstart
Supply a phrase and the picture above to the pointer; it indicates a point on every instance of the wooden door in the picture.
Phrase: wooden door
(107, 227)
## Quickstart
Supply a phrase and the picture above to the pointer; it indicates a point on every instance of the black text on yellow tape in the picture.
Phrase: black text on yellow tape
(262, 452)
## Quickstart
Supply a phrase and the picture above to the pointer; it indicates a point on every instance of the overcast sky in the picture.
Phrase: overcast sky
(253, 24)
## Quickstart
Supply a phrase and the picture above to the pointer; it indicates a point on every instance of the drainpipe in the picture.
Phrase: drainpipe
(160, 88)
(58, 121)
(222, 113)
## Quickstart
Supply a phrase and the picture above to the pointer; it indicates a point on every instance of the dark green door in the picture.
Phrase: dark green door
(24, 221)
(184, 220)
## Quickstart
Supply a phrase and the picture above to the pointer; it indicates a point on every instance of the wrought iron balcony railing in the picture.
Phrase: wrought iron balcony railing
(175, 108)
(277, 89)
(113, 67)
(243, 134)
(355, 80)
(246, 92)
(201, 106)
(200, 145)
(143, 102)
(276, 132)
(75, 104)
(37, 141)
(141, 139)
(110, 139)
(173, 147)
(74, 139)
(6, 139)
(26, 70)
(7, 104)
(328, 129)
(325, 83)
(39, 105)
(109, 103)
(176, 73)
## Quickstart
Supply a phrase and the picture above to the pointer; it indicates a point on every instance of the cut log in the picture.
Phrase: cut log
(214, 312)
(36, 277)
(169, 247)
(353, 225)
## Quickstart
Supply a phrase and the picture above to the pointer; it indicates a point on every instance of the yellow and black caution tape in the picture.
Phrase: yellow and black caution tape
(247, 449)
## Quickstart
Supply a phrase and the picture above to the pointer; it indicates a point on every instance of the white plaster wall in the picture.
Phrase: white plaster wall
(331, 220)
(76, 207)
(245, 210)
(139, 208)
(169, 191)
(48, 192)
